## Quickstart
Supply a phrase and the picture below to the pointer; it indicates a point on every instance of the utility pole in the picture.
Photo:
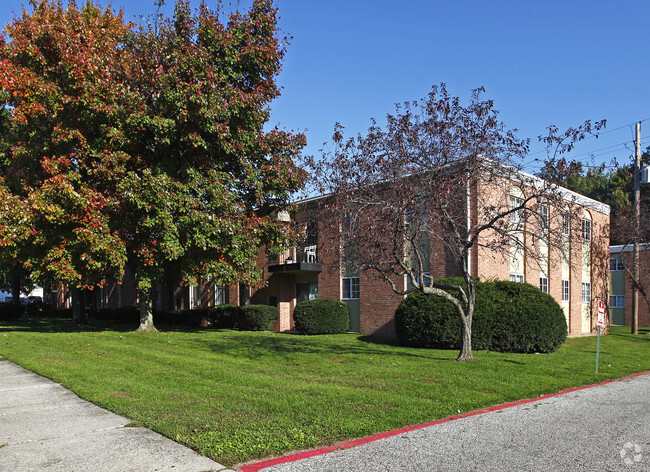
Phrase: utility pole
(637, 229)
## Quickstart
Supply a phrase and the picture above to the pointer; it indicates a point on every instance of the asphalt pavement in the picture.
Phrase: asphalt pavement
(600, 428)
(47, 428)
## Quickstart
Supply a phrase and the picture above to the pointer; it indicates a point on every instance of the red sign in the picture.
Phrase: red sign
(601, 313)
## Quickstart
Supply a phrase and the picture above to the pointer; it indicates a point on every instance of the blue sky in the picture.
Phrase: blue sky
(543, 63)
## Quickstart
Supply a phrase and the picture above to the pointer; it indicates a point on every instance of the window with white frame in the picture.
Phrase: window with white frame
(586, 229)
(617, 301)
(615, 264)
(586, 292)
(566, 223)
(517, 278)
(565, 290)
(350, 288)
(195, 296)
(516, 216)
(543, 215)
(543, 284)
(220, 295)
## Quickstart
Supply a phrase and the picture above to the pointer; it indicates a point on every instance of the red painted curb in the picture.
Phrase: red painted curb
(254, 467)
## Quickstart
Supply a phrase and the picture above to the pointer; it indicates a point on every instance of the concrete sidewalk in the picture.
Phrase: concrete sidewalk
(45, 427)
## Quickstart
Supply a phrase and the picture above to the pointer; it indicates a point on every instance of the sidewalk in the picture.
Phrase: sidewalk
(45, 427)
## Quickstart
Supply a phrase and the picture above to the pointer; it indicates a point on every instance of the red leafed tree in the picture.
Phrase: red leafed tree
(60, 73)
(163, 158)
(405, 187)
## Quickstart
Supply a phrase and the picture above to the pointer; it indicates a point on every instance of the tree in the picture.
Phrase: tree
(61, 77)
(208, 179)
(146, 145)
(405, 188)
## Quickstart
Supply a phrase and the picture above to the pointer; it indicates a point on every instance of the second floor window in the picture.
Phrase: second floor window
(615, 264)
(586, 229)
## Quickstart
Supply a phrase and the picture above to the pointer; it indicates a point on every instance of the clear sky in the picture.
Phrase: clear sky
(542, 62)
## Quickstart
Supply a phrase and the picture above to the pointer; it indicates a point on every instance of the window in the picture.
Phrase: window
(195, 296)
(516, 216)
(517, 278)
(351, 288)
(586, 229)
(565, 290)
(615, 264)
(617, 301)
(543, 214)
(273, 300)
(306, 291)
(543, 284)
(586, 292)
(220, 295)
(566, 223)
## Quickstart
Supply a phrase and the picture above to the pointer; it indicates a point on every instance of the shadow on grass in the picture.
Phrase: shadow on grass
(255, 345)
(36, 324)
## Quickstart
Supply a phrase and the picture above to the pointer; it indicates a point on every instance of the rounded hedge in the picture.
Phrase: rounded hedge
(257, 317)
(321, 316)
(508, 317)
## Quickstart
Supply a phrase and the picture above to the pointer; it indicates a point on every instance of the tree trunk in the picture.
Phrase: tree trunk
(15, 284)
(465, 339)
(146, 311)
(78, 315)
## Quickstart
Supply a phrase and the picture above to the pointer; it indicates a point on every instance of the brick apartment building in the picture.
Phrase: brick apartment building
(620, 300)
(575, 275)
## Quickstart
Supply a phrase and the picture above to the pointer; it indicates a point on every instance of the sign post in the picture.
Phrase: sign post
(599, 323)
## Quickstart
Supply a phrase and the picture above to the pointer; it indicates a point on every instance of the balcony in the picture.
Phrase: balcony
(295, 260)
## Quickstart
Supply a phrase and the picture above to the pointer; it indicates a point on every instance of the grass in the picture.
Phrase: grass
(238, 396)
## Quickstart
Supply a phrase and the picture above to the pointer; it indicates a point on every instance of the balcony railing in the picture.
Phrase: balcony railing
(303, 258)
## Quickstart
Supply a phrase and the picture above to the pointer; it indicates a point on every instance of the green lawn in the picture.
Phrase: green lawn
(236, 396)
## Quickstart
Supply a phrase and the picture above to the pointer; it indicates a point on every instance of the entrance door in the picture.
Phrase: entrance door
(354, 310)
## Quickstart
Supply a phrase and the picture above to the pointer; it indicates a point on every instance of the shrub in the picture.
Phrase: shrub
(257, 317)
(11, 311)
(527, 320)
(196, 318)
(125, 314)
(321, 316)
(508, 317)
(224, 316)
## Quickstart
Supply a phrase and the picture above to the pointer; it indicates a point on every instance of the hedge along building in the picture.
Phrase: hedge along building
(558, 242)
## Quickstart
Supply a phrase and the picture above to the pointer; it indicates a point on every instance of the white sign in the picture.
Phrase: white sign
(601, 313)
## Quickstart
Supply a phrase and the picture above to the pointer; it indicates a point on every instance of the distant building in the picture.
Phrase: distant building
(620, 298)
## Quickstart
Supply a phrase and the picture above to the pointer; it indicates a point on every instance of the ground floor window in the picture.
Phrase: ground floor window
(617, 301)
(306, 291)
(517, 278)
(350, 288)
(543, 284)
(220, 295)
(586, 292)
(565, 290)
(195, 296)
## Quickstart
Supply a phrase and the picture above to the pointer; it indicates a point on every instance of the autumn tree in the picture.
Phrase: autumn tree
(208, 178)
(147, 144)
(438, 177)
(61, 75)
